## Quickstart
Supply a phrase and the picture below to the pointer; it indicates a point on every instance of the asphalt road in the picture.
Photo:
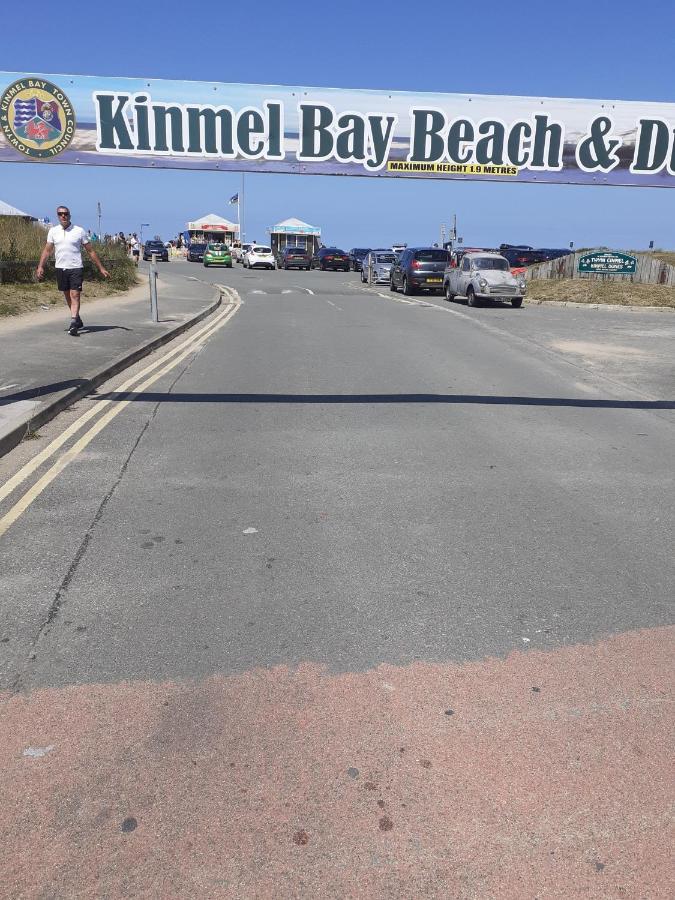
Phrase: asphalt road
(370, 595)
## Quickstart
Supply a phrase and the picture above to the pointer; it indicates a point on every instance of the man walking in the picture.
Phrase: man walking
(67, 241)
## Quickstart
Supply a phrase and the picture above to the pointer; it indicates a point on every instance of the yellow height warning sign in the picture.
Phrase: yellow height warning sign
(451, 168)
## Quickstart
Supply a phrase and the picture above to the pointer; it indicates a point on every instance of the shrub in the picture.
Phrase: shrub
(21, 244)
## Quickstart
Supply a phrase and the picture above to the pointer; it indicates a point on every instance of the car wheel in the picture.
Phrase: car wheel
(407, 290)
(392, 286)
(449, 296)
(517, 302)
(471, 298)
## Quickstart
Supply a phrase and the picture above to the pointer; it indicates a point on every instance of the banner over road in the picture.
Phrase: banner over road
(110, 121)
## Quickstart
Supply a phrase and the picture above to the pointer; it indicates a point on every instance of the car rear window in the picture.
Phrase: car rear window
(489, 262)
(386, 258)
(431, 255)
(262, 250)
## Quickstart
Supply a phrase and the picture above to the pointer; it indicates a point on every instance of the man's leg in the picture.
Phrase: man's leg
(74, 303)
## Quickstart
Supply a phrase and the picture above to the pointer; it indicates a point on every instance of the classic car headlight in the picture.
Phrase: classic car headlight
(522, 284)
(483, 282)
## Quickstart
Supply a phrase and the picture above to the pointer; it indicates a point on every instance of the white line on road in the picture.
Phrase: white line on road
(309, 291)
(287, 291)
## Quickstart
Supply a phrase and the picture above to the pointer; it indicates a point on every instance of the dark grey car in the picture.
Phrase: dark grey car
(419, 269)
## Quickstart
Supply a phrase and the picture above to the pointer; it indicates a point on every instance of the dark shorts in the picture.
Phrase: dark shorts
(136, 252)
(69, 279)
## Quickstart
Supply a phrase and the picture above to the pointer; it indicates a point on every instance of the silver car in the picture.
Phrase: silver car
(376, 268)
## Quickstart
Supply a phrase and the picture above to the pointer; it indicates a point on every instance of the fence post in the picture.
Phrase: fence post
(153, 288)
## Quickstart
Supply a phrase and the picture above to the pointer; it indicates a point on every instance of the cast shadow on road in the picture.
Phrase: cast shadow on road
(89, 329)
(42, 390)
(457, 399)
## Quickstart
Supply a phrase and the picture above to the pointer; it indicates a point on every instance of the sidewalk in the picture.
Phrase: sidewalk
(43, 369)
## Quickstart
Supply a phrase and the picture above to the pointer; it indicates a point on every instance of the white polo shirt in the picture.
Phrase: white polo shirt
(67, 245)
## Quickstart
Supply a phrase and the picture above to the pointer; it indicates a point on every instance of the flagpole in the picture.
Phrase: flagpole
(240, 208)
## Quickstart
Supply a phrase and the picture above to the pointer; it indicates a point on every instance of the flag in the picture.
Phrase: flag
(234, 198)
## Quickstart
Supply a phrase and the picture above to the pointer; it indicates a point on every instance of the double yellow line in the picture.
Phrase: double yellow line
(138, 383)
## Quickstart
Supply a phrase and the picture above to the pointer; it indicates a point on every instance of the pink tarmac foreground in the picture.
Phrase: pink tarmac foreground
(545, 774)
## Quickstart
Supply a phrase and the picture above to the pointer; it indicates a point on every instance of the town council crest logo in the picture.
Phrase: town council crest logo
(36, 118)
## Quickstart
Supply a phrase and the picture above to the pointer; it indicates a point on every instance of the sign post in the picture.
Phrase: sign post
(153, 288)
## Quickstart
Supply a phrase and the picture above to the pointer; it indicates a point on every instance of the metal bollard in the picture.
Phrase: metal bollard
(153, 288)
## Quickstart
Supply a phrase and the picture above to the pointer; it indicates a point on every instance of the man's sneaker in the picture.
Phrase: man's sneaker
(79, 322)
(73, 328)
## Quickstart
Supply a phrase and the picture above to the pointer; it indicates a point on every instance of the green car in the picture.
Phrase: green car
(218, 255)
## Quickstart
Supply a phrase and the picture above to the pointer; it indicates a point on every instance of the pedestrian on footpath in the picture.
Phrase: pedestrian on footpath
(67, 240)
(135, 248)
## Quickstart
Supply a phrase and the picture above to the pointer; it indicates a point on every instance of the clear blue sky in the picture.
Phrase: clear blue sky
(619, 50)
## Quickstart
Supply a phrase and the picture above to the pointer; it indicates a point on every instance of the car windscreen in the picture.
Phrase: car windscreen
(360, 251)
(431, 255)
(155, 245)
(489, 262)
(197, 246)
(385, 258)
(219, 248)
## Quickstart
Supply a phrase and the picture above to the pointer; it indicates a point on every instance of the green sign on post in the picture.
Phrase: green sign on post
(608, 262)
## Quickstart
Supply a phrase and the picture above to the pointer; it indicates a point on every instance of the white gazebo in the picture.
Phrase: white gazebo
(294, 233)
(7, 210)
(213, 228)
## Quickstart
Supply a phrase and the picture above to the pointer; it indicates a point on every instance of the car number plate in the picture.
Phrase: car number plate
(435, 280)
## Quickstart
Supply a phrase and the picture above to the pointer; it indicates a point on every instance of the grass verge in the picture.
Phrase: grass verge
(19, 299)
(580, 290)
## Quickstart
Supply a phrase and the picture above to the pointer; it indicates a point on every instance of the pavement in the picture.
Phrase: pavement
(44, 370)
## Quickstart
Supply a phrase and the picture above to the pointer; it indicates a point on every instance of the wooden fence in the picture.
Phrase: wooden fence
(649, 270)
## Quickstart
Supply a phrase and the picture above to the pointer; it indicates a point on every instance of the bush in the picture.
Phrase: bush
(21, 244)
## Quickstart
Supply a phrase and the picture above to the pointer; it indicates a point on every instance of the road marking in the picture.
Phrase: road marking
(257, 292)
(58, 442)
(287, 291)
(6, 387)
(196, 342)
(334, 305)
(306, 289)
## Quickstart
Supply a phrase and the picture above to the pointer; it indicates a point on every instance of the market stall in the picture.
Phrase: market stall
(213, 229)
(294, 233)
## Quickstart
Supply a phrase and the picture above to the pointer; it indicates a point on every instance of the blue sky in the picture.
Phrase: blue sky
(600, 50)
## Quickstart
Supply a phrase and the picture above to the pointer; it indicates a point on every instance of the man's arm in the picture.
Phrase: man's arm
(46, 250)
(97, 262)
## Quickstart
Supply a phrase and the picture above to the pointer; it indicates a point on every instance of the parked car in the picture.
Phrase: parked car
(295, 258)
(356, 257)
(195, 252)
(503, 247)
(481, 277)
(238, 252)
(419, 269)
(521, 259)
(377, 265)
(330, 258)
(259, 257)
(156, 247)
(553, 252)
(218, 255)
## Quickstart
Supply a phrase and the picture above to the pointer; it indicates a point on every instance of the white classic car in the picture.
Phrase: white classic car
(484, 276)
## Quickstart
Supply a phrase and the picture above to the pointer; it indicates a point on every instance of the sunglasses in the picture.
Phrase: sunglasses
(63, 214)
